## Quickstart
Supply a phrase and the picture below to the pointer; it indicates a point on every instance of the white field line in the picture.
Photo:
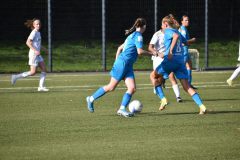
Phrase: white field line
(120, 87)
(95, 74)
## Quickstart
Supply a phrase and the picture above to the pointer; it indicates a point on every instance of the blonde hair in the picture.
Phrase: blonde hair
(29, 23)
(172, 22)
(140, 22)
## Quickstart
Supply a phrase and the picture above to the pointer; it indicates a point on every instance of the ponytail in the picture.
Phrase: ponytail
(172, 22)
(140, 22)
(29, 23)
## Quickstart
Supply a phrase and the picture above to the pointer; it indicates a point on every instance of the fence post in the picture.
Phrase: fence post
(49, 37)
(103, 37)
(206, 34)
(155, 15)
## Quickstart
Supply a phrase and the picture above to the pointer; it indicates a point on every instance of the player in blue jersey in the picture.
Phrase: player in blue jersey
(183, 30)
(173, 61)
(122, 68)
(157, 45)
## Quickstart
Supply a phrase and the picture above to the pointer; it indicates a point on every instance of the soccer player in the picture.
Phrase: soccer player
(233, 76)
(173, 61)
(122, 68)
(183, 30)
(156, 45)
(35, 58)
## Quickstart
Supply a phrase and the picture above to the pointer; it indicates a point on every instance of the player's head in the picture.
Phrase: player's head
(140, 25)
(169, 21)
(34, 23)
(185, 20)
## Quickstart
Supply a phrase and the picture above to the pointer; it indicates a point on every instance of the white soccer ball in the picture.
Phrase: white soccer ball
(135, 106)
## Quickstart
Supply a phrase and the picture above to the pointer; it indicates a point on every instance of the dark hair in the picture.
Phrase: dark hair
(140, 22)
(183, 16)
(29, 23)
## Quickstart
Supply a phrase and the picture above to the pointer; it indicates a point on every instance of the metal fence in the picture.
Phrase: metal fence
(105, 20)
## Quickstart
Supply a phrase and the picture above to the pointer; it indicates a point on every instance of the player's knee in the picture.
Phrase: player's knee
(32, 73)
(131, 90)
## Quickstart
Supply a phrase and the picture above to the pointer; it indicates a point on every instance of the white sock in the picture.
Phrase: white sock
(91, 99)
(122, 107)
(235, 74)
(176, 90)
(42, 79)
(23, 75)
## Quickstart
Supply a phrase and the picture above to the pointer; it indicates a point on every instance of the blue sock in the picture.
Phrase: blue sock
(159, 92)
(99, 93)
(189, 76)
(197, 99)
(126, 99)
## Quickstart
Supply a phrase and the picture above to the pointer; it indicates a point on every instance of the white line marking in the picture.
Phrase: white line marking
(93, 87)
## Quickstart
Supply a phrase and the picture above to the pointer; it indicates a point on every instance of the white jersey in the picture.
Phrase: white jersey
(35, 36)
(158, 42)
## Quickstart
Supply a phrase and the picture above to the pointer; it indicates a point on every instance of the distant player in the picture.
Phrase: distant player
(122, 68)
(173, 61)
(157, 45)
(35, 58)
(183, 30)
(233, 76)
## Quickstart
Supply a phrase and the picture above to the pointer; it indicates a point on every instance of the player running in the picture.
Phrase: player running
(173, 61)
(122, 68)
(35, 58)
(157, 45)
(183, 30)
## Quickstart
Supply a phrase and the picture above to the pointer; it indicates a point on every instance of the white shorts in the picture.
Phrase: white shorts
(156, 61)
(34, 60)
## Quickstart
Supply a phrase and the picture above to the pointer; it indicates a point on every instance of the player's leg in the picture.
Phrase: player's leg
(131, 88)
(42, 87)
(195, 96)
(233, 76)
(32, 72)
(157, 80)
(100, 92)
(175, 86)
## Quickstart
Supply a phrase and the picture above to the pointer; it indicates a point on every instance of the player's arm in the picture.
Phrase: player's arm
(141, 51)
(191, 41)
(119, 50)
(153, 50)
(29, 44)
(174, 42)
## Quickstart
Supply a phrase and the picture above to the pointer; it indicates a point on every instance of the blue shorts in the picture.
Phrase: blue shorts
(179, 69)
(121, 70)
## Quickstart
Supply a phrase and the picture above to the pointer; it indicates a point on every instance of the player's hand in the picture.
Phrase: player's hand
(194, 39)
(160, 55)
(170, 55)
(37, 53)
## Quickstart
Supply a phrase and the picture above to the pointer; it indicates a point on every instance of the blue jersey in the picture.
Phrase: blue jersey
(178, 48)
(129, 53)
(184, 32)
(123, 66)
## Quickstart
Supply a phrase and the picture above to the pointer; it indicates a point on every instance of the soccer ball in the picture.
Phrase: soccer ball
(135, 106)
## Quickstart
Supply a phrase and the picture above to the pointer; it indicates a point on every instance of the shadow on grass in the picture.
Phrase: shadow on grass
(188, 113)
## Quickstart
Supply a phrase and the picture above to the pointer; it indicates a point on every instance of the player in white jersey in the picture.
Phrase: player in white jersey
(35, 58)
(235, 73)
(157, 45)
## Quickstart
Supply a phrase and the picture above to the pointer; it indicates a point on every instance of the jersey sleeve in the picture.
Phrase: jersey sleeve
(32, 35)
(183, 32)
(154, 39)
(139, 41)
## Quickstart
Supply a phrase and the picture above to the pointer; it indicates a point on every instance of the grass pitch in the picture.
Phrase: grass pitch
(57, 125)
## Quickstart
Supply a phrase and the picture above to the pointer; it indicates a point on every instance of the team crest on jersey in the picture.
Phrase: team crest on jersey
(140, 38)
